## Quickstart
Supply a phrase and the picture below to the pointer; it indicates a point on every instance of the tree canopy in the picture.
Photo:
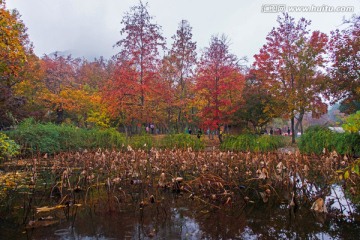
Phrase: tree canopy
(151, 83)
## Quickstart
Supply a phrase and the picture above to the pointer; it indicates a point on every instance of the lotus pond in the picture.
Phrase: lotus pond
(180, 194)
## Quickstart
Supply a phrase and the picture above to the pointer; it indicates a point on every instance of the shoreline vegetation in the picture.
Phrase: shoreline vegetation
(30, 138)
(64, 170)
(59, 188)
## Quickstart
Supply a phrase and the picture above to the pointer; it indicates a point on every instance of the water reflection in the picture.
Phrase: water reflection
(232, 201)
(338, 201)
(174, 221)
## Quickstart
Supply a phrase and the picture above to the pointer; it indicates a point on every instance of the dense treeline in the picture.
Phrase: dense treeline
(173, 88)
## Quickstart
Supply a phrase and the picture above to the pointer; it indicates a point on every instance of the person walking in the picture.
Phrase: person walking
(199, 133)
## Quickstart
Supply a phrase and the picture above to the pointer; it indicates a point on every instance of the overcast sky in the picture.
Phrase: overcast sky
(90, 28)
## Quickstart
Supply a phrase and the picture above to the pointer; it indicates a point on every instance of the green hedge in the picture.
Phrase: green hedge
(316, 138)
(181, 141)
(253, 143)
(178, 141)
(50, 138)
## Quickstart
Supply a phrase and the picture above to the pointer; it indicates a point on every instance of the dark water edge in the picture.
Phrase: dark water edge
(117, 195)
(184, 219)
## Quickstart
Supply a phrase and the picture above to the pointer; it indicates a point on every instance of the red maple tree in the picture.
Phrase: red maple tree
(344, 49)
(177, 72)
(218, 84)
(134, 86)
(292, 67)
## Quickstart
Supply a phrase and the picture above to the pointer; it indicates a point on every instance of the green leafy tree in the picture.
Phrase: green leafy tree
(8, 148)
(257, 105)
(352, 123)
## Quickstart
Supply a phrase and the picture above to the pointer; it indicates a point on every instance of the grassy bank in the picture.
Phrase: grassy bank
(317, 138)
(50, 138)
(253, 143)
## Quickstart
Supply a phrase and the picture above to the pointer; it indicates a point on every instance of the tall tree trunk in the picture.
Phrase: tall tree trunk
(179, 124)
(126, 131)
(299, 122)
(293, 130)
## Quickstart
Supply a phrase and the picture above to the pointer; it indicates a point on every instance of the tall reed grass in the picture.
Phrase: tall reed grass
(317, 138)
(253, 143)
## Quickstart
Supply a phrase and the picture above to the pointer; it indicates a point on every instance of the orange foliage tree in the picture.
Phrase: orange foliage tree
(133, 91)
(72, 89)
(14, 49)
(31, 89)
(59, 77)
(177, 72)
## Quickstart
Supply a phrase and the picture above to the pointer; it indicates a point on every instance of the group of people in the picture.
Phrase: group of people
(277, 131)
(150, 128)
(198, 133)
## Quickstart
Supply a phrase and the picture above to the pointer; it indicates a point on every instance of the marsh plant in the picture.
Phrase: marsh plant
(144, 180)
(253, 143)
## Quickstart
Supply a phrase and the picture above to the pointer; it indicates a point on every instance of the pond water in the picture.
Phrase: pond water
(181, 218)
(48, 200)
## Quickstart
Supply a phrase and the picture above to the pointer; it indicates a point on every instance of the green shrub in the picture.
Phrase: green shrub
(316, 138)
(8, 148)
(143, 141)
(181, 141)
(352, 123)
(253, 143)
(51, 138)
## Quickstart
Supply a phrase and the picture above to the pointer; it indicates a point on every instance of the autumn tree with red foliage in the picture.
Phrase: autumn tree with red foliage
(94, 74)
(177, 71)
(134, 87)
(344, 49)
(290, 63)
(140, 85)
(218, 84)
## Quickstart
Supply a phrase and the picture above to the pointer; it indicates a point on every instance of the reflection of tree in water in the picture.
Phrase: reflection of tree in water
(265, 221)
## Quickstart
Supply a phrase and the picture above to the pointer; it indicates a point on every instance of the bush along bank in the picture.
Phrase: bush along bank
(253, 143)
(317, 138)
(51, 138)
